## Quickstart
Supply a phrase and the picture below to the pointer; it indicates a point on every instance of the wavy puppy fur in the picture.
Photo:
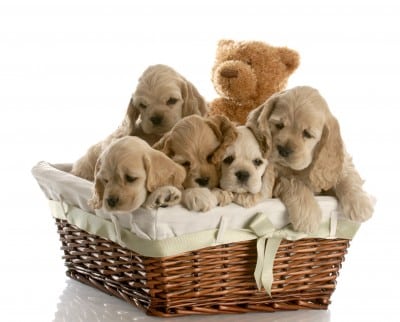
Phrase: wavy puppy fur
(198, 144)
(129, 171)
(308, 153)
(162, 97)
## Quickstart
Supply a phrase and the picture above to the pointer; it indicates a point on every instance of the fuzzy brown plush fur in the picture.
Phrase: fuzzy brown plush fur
(247, 73)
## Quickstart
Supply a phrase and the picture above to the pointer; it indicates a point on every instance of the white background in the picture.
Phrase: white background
(68, 68)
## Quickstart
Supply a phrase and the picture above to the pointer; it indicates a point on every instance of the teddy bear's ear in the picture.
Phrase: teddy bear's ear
(289, 57)
(225, 42)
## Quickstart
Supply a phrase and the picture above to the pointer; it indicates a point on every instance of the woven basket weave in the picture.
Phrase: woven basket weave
(211, 280)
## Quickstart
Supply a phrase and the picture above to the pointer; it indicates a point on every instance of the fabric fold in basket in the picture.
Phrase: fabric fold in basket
(175, 230)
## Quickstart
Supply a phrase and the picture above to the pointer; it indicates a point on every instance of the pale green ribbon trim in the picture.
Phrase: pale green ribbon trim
(268, 237)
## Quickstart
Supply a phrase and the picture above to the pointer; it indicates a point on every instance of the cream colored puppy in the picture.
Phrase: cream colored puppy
(130, 174)
(244, 170)
(309, 156)
(162, 98)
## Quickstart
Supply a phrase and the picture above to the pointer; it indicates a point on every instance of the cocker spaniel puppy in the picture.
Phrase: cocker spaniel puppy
(309, 156)
(130, 174)
(198, 143)
(245, 171)
(162, 97)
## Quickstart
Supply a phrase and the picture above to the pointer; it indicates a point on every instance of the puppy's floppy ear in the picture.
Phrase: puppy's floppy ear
(193, 102)
(162, 171)
(96, 202)
(226, 133)
(164, 145)
(132, 114)
(257, 122)
(328, 157)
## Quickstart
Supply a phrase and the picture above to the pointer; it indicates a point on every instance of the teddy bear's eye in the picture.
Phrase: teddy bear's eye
(172, 101)
(248, 62)
(257, 162)
(279, 126)
(228, 159)
(142, 105)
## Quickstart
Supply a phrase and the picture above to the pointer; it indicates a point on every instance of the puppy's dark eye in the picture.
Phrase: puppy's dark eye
(130, 179)
(186, 164)
(143, 106)
(307, 134)
(228, 159)
(105, 181)
(258, 162)
(209, 158)
(172, 101)
(279, 126)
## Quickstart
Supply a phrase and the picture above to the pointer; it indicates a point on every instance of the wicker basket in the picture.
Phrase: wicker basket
(217, 279)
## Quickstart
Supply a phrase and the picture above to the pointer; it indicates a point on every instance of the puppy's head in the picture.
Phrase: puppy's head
(162, 98)
(198, 144)
(127, 170)
(243, 164)
(301, 132)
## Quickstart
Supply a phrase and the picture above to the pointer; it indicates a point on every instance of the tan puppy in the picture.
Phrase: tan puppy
(244, 170)
(162, 97)
(309, 155)
(129, 171)
(198, 144)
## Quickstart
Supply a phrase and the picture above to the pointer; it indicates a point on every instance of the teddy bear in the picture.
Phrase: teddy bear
(246, 73)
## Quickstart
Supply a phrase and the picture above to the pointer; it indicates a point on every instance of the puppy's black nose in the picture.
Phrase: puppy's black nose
(202, 182)
(112, 201)
(242, 176)
(156, 119)
(284, 151)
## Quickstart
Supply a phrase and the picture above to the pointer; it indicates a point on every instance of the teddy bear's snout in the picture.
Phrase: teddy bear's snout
(229, 73)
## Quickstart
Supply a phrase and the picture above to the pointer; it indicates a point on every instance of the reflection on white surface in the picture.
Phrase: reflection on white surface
(79, 302)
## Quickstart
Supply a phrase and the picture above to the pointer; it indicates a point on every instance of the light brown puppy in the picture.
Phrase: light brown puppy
(162, 97)
(309, 156)
(130, 174)
(198, 144)
(245, 171)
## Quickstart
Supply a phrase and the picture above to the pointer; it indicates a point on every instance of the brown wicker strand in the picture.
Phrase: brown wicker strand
(213, 280)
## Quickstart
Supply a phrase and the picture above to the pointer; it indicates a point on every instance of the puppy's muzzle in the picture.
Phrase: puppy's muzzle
(203, 181)
(284, 151)
(156, 119)
(112, 201)
(242, 176)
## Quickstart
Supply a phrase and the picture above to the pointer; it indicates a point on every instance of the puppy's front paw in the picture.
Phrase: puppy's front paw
(199, 199)
(358, 208)
(246, 199)
(223, 197)
(163, 197)
(305, 219)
